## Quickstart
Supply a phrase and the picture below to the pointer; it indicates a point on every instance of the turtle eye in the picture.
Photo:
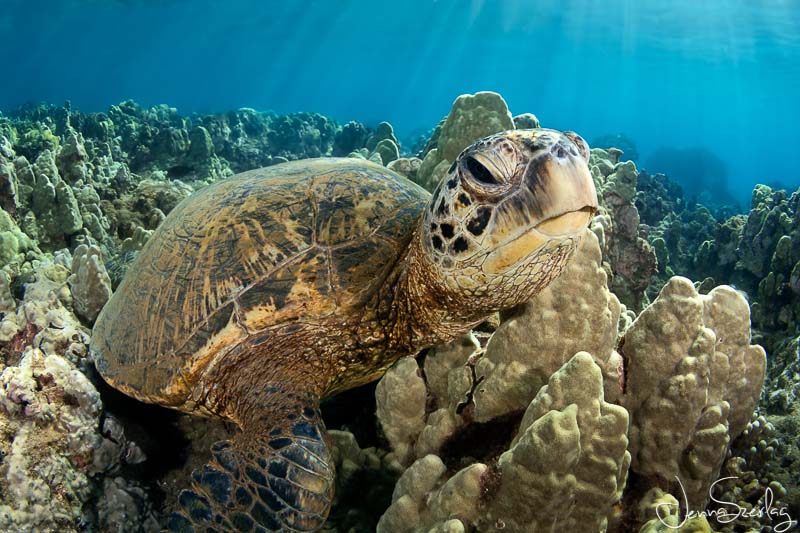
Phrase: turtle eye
(479, 171)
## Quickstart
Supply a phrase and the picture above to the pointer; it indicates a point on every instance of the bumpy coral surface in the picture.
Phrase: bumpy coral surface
(632, 259)
(575, 313)
(61, 453)
(471, 118)
(89, 282)
(687, 382)
(692, 382)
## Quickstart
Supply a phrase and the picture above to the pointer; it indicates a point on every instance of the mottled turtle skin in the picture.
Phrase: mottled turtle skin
(267, 291)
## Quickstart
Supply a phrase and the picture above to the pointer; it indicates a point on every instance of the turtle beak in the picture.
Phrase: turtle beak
(566, 225)
(564, 192)
(558, 197)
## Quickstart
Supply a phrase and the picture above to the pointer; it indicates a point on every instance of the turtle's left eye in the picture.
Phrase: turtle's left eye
(479, 171)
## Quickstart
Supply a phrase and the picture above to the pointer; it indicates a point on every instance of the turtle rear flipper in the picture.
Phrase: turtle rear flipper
(278, 477)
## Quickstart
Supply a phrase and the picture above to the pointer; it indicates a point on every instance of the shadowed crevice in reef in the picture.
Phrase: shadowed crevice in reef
(166, 448)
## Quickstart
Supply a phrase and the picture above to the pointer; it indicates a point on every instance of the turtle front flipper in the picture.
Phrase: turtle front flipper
(276, 475)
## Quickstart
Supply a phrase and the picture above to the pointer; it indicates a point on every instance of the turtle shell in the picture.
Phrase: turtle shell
(298, 241)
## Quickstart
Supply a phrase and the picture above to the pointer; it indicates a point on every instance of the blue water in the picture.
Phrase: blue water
(723, 76)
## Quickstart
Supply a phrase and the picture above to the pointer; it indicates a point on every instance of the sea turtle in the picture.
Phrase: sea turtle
(264, 292)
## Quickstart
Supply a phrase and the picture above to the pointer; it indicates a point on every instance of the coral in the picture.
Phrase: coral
(717, 256)
(52, 413)
(301, 135)
(58, 446)
(519, 359)
(526, 121)
(769, 252)
(146, 206)
(388, 151)
(745, 482)
(353, 509)
(9, 184)
(692, 380)
(571, 445)
(471, 118)
(632, 259)
(783, 468)
(15, 246)
(72, 158)
(201, 157)
(657, 196)
(408, 167)
(89, 283)
(430, 141)
(54, 449)
(783, 380)
(661, 513)
(692, 243)
(53, 202)
(7, 130)
(400, 400)
(383, 132)
(686, 378)
(240, 137)
(381, 147)
(42, 318)
(349, 138)
(36, 139)
(167, 143)
(124, 506)
(621, 142)
(7, 302)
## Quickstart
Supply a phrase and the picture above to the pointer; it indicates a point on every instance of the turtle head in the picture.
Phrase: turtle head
(504, 221)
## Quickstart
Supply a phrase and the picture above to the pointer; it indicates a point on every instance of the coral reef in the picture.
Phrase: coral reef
(383, 148)
(349, 138)
(686, 377)
(692, 380)
(571, 445)
(470, 118)
(632, 259)
(526, 121)
(769, 253)
(513, 373)
(757, 254)
(61, 454)
(504, 428)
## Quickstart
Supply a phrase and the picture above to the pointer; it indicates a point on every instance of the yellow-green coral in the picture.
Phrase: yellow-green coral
(576, 312)
(472, 117)
(692, 382)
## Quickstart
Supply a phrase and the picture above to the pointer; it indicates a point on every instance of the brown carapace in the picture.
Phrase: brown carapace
(262, 293)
